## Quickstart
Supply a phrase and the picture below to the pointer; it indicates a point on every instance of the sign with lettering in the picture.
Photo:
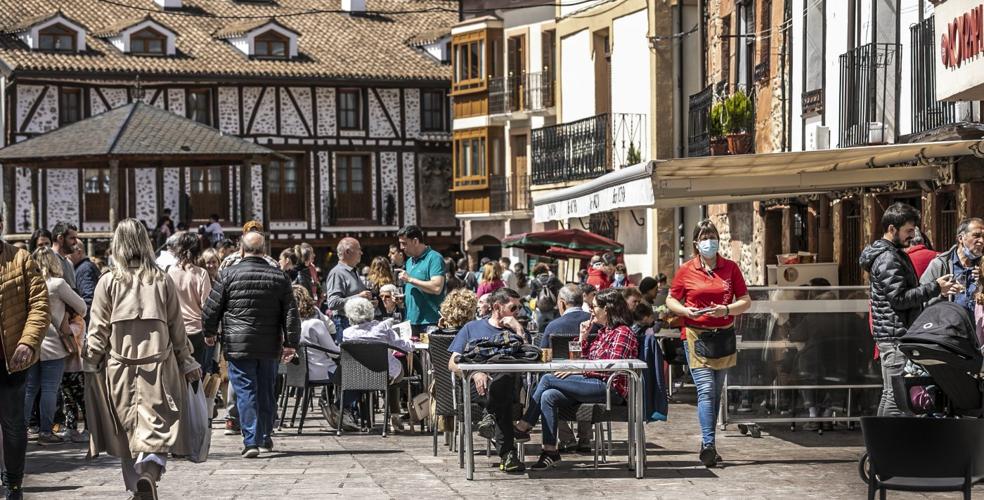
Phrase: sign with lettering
(632, 194)
(959, 26)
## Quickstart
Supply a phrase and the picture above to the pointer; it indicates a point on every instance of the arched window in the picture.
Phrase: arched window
(148, 42)
(271, 45)
(58, 38)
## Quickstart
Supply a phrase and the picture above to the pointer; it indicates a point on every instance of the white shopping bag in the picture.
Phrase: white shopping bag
(198, 435)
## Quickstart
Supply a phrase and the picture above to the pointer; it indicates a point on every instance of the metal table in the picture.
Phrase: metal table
(633, 368)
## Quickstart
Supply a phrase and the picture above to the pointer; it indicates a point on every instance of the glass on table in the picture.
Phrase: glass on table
(574, 349)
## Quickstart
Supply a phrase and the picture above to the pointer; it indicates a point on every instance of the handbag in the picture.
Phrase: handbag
(714, 344)
(66, 332)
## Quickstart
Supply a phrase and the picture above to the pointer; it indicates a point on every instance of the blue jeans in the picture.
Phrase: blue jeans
(553, 393)
(710, 383)
(254, 381)
(46, 377)
(341, 323)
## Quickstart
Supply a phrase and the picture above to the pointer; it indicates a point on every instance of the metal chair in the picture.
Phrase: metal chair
(364, 366)
(444, 390)
(296, 379)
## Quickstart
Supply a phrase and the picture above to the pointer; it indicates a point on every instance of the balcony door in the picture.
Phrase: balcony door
(520, 173)
(517, 71)
(209, 193)
(353, 189)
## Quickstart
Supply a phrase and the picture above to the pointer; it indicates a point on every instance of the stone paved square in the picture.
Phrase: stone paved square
(317, 465)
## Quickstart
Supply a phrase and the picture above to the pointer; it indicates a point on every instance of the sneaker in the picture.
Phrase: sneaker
(511, 463)
(267, 446)
(396, 425)
(521, 436)
(251, 452)
(146, 488)
(584, 445)
(349, 422)
(33, 433)
(708, 456)
(15, 493)
(49, 438)
(546, 461)
(486, 427)
(231, 427)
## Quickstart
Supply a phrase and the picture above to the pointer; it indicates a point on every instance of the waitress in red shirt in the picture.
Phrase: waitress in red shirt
(708, 291)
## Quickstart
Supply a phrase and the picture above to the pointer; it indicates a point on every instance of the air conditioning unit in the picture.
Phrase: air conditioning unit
(818, 138)
(879, 133)
(963, 111)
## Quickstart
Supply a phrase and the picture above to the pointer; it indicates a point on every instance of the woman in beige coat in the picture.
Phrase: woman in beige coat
(140, 359)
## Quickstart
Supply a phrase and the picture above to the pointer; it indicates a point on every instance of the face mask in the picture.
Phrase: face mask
(707, 248)
(619, 276)
(970, 255)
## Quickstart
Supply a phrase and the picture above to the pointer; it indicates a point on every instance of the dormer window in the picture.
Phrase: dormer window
(148, 42)
(271, 45)
(261, 38)
(57, 38)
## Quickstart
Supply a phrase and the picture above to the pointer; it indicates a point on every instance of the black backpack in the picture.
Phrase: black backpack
(546, 299)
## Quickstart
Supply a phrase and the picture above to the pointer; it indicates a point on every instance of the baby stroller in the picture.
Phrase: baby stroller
(943, 341)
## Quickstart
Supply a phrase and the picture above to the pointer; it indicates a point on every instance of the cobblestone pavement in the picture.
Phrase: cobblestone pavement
(317, 465)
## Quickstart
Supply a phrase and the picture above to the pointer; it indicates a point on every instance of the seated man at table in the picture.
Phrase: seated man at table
(569, 301)
(497, 390)
(615, 340)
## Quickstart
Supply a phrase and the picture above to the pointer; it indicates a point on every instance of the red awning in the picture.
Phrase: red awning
(583, 243)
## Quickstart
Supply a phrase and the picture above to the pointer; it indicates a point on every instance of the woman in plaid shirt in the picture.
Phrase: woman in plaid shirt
(615, 340)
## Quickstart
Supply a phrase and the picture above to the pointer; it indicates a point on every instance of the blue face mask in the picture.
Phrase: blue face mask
(970, 255)
(708, 248)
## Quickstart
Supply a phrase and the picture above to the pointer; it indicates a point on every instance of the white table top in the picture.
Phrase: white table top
(558, 365)
(421, 346)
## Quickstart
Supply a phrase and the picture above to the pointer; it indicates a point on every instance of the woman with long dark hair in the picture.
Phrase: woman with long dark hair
(139, 358)
(708, 292)
(615, 340)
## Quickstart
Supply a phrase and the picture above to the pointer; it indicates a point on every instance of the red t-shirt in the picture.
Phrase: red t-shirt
(694, 287)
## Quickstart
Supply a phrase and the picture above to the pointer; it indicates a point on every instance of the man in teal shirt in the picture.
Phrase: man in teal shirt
(423, 278)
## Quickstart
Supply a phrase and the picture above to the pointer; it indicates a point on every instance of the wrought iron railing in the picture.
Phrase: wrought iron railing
(869, 100)
(507, 194)
(698, 138)
(526, 92)
(588, 148)
(927, 112)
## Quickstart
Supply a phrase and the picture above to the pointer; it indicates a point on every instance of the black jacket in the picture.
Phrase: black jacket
(896, 295)
(255, 304)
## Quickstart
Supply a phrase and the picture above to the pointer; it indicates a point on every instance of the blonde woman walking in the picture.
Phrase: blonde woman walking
(139, 358)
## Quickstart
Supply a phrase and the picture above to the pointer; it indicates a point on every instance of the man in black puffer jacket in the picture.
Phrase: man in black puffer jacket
(896, 295)
(260, 326)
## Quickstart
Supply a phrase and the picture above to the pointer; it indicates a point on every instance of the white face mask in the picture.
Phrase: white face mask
(619, 276)
(708, 248)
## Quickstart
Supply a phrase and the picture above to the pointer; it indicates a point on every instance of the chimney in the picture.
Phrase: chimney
(169, 4)
(354, 6)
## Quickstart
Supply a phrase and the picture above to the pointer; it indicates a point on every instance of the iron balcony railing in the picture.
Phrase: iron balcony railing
(698, 138)
(509, 194)
(588, 148)
(927, 112)
(526, 92)
(870, 76)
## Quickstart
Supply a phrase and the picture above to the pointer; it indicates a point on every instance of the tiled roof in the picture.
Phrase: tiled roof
(27, 23)
(429, 36)
(136, 130)
(332, 45)
(240, 28)
(118, 27)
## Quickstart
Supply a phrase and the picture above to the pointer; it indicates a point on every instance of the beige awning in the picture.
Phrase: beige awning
(725, 179)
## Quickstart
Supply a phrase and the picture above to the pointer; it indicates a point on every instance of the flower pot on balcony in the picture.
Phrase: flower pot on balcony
(740, 143)
(719, 146)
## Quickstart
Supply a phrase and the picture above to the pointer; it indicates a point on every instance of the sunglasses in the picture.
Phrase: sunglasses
(512, 307)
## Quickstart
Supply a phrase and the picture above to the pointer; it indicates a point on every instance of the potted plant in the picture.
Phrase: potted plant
(715, 129)
(737, 121)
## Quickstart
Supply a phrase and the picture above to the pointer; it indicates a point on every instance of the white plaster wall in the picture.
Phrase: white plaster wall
(176, 101)
(26, 95)
(290, 120)
(571, 6)
(324, 171)
(577, 77)
(115, 97)
(390, 184)
(411, 98)
(145, 180)
(22, 205)
(378, 124)
(95, 104)
(631, 78)
(326, 111)
(836, 44)
(171, 193)
(303, 97)
(797, 83)
(409, 188)
(265, 121)
(62, 195)
(257, 187)
(228, 110)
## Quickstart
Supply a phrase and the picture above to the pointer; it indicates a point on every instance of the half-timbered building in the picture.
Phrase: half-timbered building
(353, 93)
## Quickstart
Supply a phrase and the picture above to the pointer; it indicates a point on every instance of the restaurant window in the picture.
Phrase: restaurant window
(271, 45)
(434, 111)
(353, 188)
(200, 106)
(148, 42)
(208, 193)
(95, 184)
(350, 109)
(69, 106)
(57, 38)
(285, 186)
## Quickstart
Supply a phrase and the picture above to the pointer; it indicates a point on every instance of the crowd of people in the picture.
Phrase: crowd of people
(77, 329)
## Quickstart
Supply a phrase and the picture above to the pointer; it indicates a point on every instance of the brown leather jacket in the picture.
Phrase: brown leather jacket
(24, 314)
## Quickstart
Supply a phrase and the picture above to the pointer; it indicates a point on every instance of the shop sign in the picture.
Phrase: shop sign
(632, 194)
(959, 44)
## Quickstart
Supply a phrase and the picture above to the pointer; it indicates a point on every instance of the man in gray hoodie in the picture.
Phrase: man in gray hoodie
(962, 260)
(896, 295)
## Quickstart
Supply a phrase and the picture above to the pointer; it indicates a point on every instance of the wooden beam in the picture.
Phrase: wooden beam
(8, 200)
(246, 191)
